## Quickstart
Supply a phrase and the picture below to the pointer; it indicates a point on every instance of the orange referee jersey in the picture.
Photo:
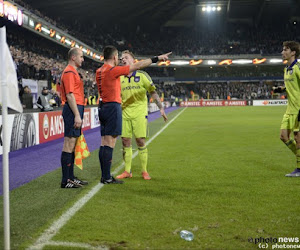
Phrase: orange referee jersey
(72, 83)
(108, 82)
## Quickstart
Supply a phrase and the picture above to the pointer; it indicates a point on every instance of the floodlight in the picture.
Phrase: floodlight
(211, 62)
(242, 61)
(275, 60)
(179, 62)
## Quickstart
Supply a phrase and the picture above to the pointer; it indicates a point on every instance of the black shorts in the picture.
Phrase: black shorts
(69, 117)
(110, 116)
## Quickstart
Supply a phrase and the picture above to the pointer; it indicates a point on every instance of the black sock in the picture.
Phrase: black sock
(71, 168)
(66, 163)
(101, 157)
(107, 158)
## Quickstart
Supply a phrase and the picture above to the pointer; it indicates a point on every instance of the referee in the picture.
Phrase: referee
(110, 112)
(72, 95)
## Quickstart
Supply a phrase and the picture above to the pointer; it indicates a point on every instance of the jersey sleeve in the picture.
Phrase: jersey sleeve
(69, 80)
(298, 71)
(147, 82)
(119, 71)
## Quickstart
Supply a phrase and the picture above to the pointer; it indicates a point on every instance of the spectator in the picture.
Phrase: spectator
(26, 98)
(45, 100)
(56, 98)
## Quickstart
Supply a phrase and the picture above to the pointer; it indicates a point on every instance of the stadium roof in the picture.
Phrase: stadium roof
(157, 13)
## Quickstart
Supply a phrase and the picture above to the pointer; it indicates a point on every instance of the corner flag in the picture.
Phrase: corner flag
(9, 97)
(11, 81)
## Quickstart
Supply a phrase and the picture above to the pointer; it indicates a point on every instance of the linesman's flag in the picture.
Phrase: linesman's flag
(81, 151)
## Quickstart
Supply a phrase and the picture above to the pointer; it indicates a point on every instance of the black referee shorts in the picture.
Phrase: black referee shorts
(110, 116)
(69, 117)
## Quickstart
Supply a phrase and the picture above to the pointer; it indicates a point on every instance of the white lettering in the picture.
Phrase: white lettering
(56, 125)
(287, 239)
(61, 125)
(52, 132)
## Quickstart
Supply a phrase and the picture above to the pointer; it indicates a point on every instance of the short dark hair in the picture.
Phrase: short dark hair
(109, 51)
(128, 52)
(293, 46)
(72, 52)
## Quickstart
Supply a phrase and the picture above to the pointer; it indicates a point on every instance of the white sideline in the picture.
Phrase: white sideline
(48, 234)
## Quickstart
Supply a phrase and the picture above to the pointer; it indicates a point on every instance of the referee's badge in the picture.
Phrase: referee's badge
(137, 79)
(291, 71)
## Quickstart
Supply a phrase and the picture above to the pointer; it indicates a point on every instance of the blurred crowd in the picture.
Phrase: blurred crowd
(234, 90)
(222, 90)
(40, 59)
(234, 38)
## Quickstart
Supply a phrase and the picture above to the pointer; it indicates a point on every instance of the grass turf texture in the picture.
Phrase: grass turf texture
(218, 172)
(34, 206)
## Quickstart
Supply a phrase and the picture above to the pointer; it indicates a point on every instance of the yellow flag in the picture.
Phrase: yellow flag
(81, 151)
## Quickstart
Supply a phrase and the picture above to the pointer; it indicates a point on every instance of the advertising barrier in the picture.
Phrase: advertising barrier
(29, 129)
(270, 102)
(24, 131)
(217, 103)
(152, 107)
(51, 124)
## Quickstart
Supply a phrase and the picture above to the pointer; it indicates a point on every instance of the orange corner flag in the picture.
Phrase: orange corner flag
(81, 151)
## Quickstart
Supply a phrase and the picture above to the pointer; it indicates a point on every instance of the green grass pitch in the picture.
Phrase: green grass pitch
(218, 172)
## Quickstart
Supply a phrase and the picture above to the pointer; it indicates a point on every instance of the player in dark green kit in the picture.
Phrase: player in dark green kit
(290, 121)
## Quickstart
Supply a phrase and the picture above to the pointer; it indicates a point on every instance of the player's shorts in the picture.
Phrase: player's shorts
(69, 117)
(290, 121)
(137, 126)
(110, 116)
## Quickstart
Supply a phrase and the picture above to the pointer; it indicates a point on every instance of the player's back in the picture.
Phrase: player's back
(108, 82)
(108, 85)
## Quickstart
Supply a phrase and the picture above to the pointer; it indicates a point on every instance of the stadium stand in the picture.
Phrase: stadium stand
(37, 58)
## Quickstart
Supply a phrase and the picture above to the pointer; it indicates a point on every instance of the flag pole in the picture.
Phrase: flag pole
(5, 158)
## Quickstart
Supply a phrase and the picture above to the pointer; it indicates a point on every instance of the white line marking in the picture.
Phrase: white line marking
(49, 233)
